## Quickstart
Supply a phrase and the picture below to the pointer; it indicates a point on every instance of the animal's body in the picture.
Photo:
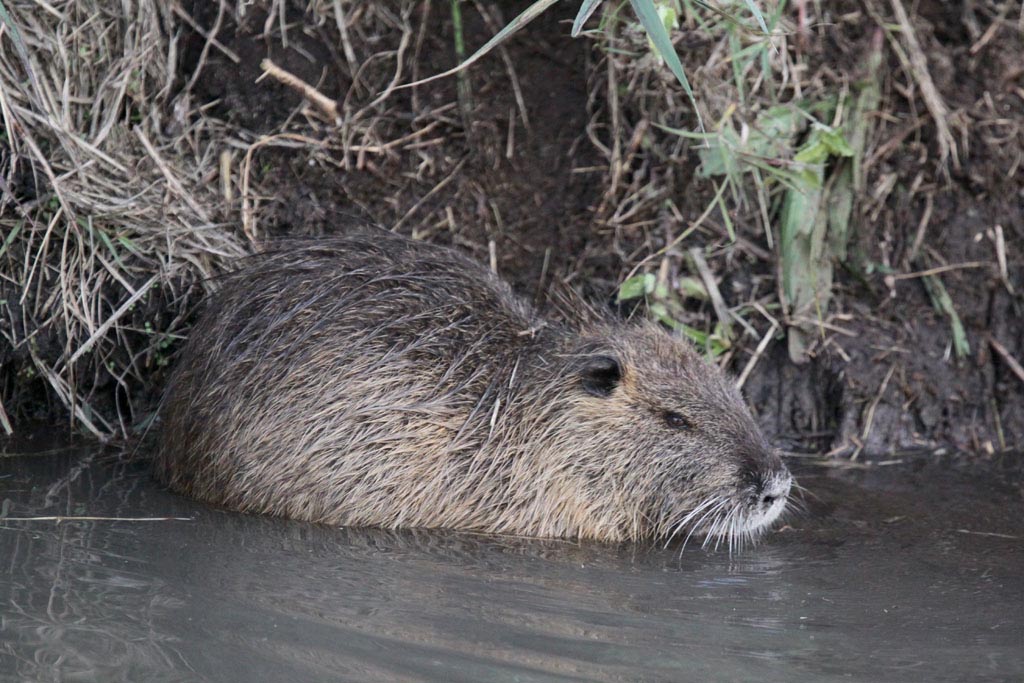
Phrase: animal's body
(372, 380)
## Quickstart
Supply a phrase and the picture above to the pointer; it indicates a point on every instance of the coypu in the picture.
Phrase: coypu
(373, 380)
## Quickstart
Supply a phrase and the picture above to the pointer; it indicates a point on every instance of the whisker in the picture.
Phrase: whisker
(722, 536)
(803, 490)
(712, 531)
(713, 511)
(697, 525)
(690, 515)
(729, 530)
(797, 506)
(794, 507)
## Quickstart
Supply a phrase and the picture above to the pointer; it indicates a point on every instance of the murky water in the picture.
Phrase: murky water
(905, 572)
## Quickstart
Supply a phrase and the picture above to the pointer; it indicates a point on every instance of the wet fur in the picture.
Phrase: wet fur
(371, 380)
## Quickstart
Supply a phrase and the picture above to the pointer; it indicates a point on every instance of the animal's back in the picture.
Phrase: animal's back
(328, 370)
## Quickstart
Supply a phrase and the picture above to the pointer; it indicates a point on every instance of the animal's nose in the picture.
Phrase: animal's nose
(775, 487)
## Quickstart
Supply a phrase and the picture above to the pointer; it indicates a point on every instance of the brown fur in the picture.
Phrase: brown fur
(371, 380)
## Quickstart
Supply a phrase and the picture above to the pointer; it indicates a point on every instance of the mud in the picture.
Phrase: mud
(890, 385)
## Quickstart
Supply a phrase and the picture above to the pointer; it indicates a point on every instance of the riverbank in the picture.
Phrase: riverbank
(846, 237)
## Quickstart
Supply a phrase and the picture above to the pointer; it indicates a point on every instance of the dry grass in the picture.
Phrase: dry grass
(121, 191)
(107, 202)
(122, 196)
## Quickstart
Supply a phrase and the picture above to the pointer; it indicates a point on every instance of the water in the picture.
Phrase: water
(905, 572)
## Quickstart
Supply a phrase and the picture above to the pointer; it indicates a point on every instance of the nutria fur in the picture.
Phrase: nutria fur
(372, 380)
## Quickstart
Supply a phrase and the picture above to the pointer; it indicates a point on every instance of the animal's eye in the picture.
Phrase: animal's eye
(676, 421)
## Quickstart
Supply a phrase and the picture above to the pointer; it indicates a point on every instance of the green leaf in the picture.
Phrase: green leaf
(840, 207)
(756, 11)
(587, 8)
(647, 13)
(10, 237)
(695, 335)
(822, 143)
(944, 303)
(636, 286)
(524, 18)
(805, 262)
(668, 14)
(660, 311)
(693, 288)
(129, 245)
(809, 178)
(769, 138)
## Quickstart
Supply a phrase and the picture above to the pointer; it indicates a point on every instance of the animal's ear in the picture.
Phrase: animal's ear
(600, 375)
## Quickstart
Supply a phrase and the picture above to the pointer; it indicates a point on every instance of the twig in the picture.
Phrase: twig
(823, 324)
(1000, 242)
(922, 226)
(61, 518)
(758, 352)
(941, 269)
(517, 91)
(717, 302)
(109, 322)
(68, 396)
(211, 36)
(437, 188)
(681, 236)
(403, 45)
(1007, 357)
(991, 31)
(932, 99)
(5, 422)
(326, 104)
(248, 211)
(172, 181)
(987, 533)
(870, 416)
(346, 43)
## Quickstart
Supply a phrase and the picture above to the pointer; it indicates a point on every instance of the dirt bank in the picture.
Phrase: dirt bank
(554, 164)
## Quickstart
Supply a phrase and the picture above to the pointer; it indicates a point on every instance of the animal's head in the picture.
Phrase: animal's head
(662, 444)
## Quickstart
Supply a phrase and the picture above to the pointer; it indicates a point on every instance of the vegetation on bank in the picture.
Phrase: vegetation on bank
(742, 222)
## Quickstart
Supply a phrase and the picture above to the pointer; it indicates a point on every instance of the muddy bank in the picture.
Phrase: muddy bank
(537, 200)
(553, 165)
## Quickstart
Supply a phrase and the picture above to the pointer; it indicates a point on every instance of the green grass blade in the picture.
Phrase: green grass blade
(10, 237)
(755, 10)
(463, 89)
(944, 303)
(128, 244)
(648, 16)
(729, 228)
(685, 133)
(636, 287)
(586, 10)
(806, 270)
(524, 18)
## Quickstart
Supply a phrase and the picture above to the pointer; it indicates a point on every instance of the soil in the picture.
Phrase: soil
(529, 204)
(888, 381)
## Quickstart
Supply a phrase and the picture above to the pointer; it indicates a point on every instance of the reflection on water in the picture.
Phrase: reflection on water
(904, 575)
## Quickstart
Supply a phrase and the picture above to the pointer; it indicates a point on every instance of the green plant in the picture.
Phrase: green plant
(666, 305)
(656, 16)
(804, 174)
